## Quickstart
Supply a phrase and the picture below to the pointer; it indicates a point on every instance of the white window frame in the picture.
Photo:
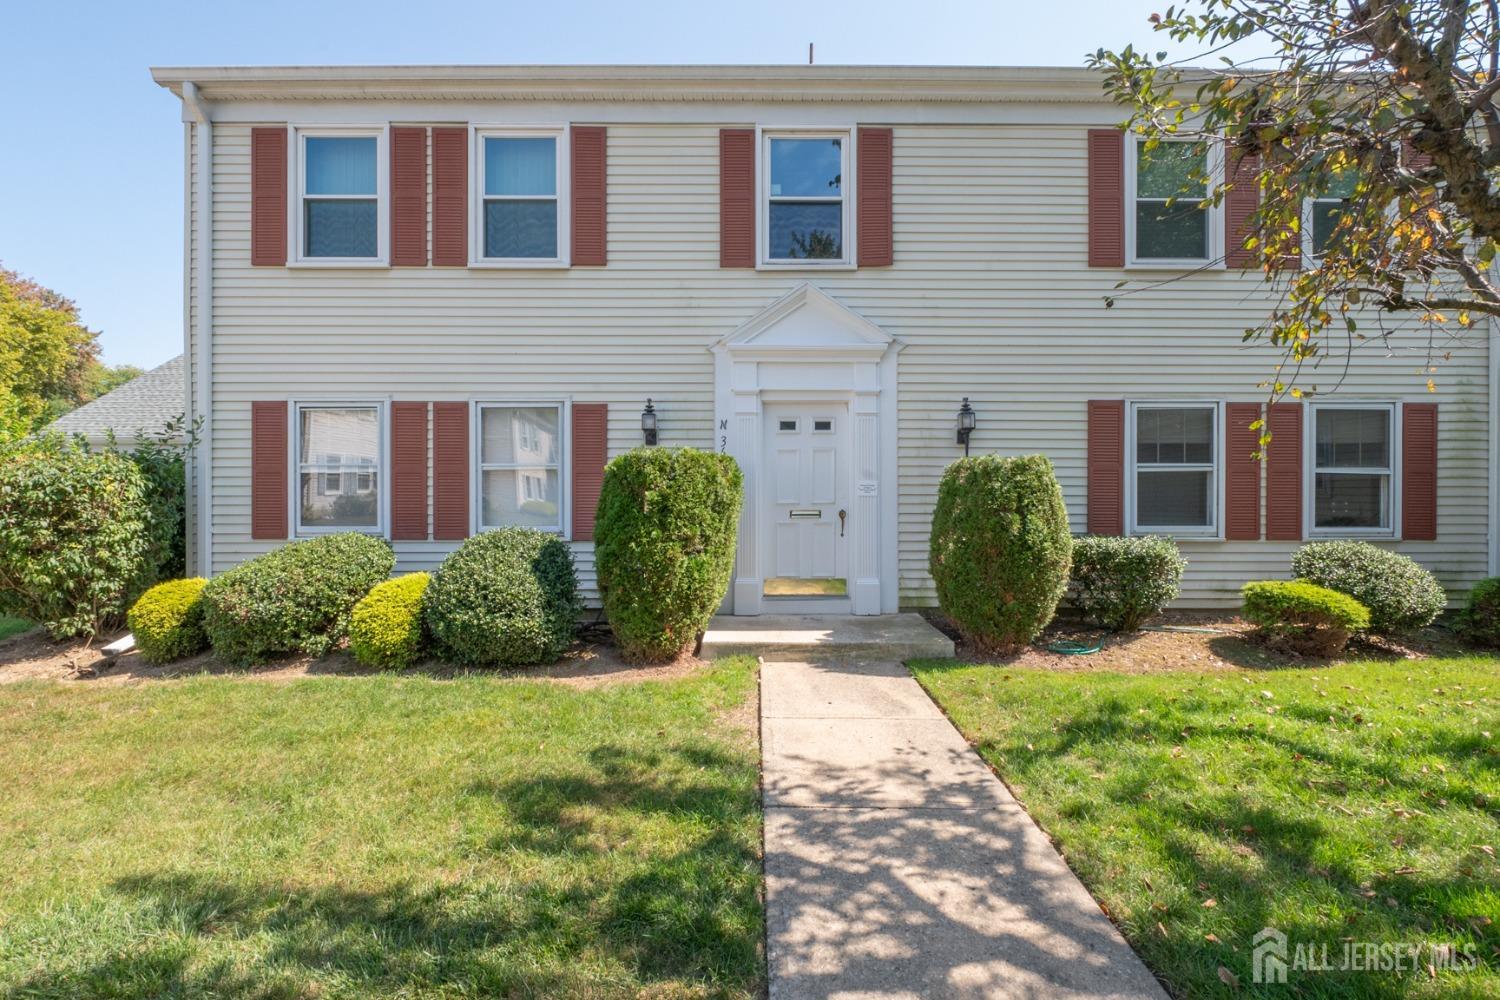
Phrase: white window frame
(381, 472)
(1311, 470)
(1215, 223)
(1213, 531)
(764, 261)
(296, 184)
(564, 409)
(477, 197)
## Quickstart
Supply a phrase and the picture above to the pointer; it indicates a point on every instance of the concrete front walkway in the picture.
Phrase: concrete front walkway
(899, 866)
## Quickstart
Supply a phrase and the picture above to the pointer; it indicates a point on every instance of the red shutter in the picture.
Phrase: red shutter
(408, 196)
(1106, 467)
(1240, 204)
(450, 471)
(1284, 472)
(268, 470)
(268, 197)
(590, 451)
(1414, 159)
(450, 196)
(590, 242)
(408, 471)
(1106, 197)
(736, 197)
(873, 180)
(1241, 472)
(1419, 443)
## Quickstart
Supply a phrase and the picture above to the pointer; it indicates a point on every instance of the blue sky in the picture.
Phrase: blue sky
(91, 164)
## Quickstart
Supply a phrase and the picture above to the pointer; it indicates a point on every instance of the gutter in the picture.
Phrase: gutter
(195, 113)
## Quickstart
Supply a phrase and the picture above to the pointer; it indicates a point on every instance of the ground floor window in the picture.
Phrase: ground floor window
(338, 465)
(1353, 446)
(1175, 474)
(520, 465)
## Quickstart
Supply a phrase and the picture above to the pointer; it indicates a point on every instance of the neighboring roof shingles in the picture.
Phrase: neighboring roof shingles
(146, 403)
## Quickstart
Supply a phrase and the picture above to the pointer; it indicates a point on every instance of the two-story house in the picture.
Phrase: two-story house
(426, 302)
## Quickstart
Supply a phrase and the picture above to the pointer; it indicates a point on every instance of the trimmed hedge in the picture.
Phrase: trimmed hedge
(73, 536)
(1120, 582)
(1303, 616)
(504, 598)
(1480, 620)
(664, 546)
(1400, 594)
(1000, 549)
(295, 599)
(386, 627)
(167, 621)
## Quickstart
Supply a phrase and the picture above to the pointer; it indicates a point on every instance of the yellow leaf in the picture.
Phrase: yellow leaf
(1431, 386)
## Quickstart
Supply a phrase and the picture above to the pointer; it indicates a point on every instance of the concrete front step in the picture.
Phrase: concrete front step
(804, 637)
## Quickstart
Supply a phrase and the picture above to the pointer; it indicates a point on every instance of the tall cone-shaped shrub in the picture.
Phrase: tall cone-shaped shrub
(664, 546)
(1000, 549)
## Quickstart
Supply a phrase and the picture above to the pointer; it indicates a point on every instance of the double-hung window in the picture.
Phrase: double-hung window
(1352, 468)
(340, 180)
(338, 465)
(520, 465)
(521, 213)
(1175, 468)
(1324, 212)
(1170, 223)
(806, 205)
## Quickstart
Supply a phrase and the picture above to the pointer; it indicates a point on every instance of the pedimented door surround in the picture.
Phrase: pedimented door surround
(806, 347)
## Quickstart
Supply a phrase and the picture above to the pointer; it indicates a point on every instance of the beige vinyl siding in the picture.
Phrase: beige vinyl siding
(990, 292)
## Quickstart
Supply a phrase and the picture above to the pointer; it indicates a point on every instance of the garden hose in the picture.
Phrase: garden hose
(1067, 647)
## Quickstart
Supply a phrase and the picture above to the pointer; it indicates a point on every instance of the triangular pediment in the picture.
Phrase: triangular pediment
(808, 319)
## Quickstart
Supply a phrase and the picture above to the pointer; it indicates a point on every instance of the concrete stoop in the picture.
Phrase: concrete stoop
(898, 637)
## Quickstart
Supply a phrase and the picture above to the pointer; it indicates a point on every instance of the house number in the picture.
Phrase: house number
(723, 436)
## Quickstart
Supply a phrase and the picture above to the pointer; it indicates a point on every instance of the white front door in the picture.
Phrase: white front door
(806, 504)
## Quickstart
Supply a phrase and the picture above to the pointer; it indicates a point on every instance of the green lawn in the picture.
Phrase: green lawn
(12, 626)
(1346, 804)
(381, 836)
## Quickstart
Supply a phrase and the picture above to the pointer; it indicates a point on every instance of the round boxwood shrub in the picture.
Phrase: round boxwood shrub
(167, 620)
(1120, 582)
(1303, 616)
(1400, 594)
(1000, 549)
(664, 546)
(504, 598)
(386, 628)
(73, 529)
(295, 599)
(1480, 620)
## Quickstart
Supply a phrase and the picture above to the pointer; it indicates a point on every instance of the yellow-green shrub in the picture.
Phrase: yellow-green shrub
(386, 629)
(167, 620)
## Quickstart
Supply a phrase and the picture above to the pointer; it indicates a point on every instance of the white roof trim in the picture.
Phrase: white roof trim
(807, 321)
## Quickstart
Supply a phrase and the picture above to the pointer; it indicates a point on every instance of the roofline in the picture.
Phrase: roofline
(865, 84)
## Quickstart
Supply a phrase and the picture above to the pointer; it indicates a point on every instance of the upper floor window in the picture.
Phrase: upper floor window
(807, 208)
(1324, 212)
(520, 217)
(340, 194)
(520, 465)
(1168, 220)
(1176, 468)
(1352, 468)
(338, 466)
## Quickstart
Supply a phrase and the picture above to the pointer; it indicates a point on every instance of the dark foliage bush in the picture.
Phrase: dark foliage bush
(1480, 620)
(1302, 616)
(1120, 582)
(386, 629)
(73, 536)
(295, 599)
(1000, 549)
(167, 621)
(1400, 594)
(162, 458)
(504, 598)
(664, 546)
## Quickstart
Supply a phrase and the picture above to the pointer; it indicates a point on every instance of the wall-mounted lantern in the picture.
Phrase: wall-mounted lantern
(966, 422)
(648, 423)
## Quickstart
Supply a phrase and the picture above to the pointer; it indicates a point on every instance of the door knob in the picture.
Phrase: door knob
(842, 514)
